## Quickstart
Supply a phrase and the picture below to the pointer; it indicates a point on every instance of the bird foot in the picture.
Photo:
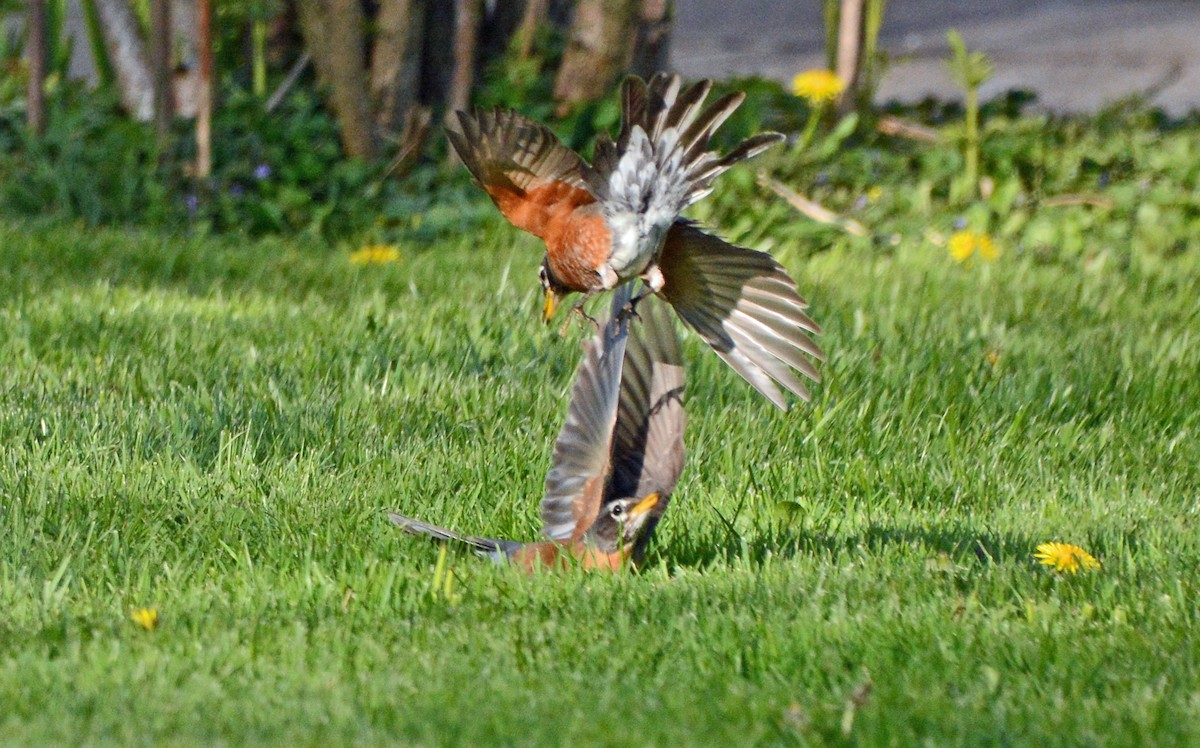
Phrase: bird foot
(578, 309)
(653, 276)
(630, 309)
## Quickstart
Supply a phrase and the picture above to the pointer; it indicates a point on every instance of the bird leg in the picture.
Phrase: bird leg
(653, 278)
(630, 309)
(578, 309)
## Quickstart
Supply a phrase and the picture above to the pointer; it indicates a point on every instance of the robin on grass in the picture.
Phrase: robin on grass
(617, 219)
(618, 456)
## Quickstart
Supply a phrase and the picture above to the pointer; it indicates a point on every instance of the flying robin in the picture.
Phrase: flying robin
(618, 456)
(617, 219)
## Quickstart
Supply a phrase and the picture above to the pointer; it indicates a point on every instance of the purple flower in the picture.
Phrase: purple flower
(1103, 180)
(262, 171)
(960, 223)
(237, 190)
(193, 204)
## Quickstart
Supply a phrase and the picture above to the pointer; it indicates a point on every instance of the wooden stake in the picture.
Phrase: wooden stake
(160, 67)
(466, 38)
(35, 104)
(850, 27)
(205, 73)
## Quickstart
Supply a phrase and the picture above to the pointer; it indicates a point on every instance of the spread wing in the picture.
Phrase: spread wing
(579, 467)
(647, 452)
(743, 304)
(522, 165)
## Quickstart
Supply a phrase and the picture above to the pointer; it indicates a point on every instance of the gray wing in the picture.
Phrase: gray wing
(745, 306)
(647, 452)
(579, 467)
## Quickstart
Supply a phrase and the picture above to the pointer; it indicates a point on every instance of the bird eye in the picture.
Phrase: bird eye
(617, 510)
(542, 276)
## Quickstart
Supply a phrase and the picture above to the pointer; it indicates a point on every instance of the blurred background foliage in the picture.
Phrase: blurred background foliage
(1118, 186)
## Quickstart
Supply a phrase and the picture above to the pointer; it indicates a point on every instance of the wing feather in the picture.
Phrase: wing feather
(580, 465)
(648, 451)
(521, 164)
(647, 454)
(745, 306)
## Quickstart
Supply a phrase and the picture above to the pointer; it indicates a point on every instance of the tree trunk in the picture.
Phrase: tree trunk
(204, 72)
(653, 38)
(35, 47)
(437, 53)
(499, 22)
(534, 16)
(161, 38)
(396, 61)
(128, 55)
(599, 50)
(466, 37)
(334, 31)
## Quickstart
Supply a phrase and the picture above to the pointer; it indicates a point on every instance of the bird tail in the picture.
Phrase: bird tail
(662, 156)
(498, 550)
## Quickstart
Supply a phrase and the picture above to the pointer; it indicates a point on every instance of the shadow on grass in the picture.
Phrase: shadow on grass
(953, 543)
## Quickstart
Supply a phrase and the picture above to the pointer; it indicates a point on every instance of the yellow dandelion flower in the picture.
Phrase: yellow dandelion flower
(375, 254)
(1065, 557)
(987, 248)
(818, 86)
(963, 244)
(147, 618)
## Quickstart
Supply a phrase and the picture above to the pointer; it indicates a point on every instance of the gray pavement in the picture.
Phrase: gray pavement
(1078, 55)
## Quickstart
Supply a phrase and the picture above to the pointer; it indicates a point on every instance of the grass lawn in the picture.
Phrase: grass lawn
(215, 427)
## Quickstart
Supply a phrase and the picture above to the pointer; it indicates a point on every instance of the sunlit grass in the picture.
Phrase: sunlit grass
(212, 429)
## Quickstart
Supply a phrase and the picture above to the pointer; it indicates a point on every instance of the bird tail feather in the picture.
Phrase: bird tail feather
(663, 150)
(491, 547)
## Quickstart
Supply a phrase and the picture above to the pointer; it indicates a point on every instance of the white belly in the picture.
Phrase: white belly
(636, 242)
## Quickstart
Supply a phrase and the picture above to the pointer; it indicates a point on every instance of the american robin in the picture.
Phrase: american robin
(618, 456)
(617, 219)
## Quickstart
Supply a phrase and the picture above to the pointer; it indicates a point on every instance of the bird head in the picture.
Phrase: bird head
(553, 289)
(620, 523)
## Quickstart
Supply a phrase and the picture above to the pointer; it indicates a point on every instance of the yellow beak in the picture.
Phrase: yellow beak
(644, 505)
(551, 305)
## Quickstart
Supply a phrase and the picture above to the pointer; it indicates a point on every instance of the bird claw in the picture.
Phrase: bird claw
(628, 312)
(578, 309)
(630, 309)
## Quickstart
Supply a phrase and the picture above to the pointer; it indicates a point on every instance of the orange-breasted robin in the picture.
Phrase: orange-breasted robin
(618, 456)
(617, 219)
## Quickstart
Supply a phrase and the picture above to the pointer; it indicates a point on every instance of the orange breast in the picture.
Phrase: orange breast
(578, 244)
(549, 555)
(535, 556)
(568, 220)
(593, 559)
